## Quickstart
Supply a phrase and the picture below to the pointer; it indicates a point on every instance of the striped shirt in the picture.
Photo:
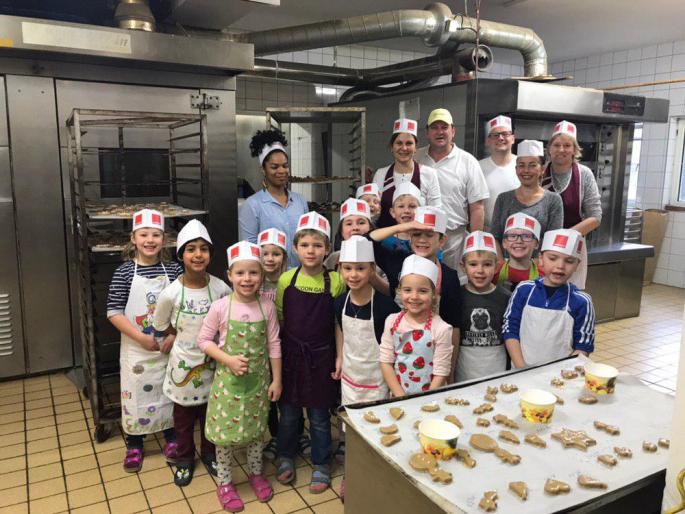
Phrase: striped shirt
(123, 276)
(580, 307)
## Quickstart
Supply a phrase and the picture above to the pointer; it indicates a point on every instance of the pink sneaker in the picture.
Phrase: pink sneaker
(229, 498)
(133, 462)
(261, 487)
(171, 451)
(342, 491)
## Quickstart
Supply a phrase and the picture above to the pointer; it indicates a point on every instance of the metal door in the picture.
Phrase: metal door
(12, 361)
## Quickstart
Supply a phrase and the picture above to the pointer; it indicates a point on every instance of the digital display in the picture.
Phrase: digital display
(623, 104)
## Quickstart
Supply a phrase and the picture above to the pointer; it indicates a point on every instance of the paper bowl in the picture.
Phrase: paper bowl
(600, 378)
(537, 405)
(438, 438)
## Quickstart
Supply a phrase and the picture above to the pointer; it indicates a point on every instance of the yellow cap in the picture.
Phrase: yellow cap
(440, 115)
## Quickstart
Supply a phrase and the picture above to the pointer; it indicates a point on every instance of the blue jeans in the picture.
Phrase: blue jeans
(319, 433)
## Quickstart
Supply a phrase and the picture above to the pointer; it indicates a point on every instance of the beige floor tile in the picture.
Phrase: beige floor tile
(303, 476)
(10, 389)
(77, 450)
(83, 479)
(163, 495)
(286, 502)
(123, 486)
(40, 473)
(315, 499)
(72, 426)
(41, 403)
(331, 507)
(50, 504)
(155, 478)
(80, 464)
(180, 507)
(45, 488)
(12, 428)
(37, 395)
(154, 461)
(19, 508)
(113, 472)
(12, 439)
(49, 443)
(41, 433)
(15, 450)
(43, 458)
(10, 408)
(65, 389)
(76, 415)
(205, 503)
(33, 424)
(11, 418)
(12, 479)
(129, 504)
(66, 398)
(74, 438)
(97, 508)
(13, 495)
(86, 496)
(201, 484)
(68, 407)
(110, 457)
(258, 508)
(110, 444)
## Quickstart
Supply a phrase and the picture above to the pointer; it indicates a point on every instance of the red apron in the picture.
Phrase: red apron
(385, 220)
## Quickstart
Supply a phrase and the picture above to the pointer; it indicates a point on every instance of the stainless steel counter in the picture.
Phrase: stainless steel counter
(619, 252)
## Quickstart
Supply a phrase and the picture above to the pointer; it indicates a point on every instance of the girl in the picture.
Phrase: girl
(520, 241)
(143, 358)
(180, 310)
(416, 347)
(238, 405)
(355, 219)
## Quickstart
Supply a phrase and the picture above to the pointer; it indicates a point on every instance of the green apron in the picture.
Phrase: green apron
(238, 407)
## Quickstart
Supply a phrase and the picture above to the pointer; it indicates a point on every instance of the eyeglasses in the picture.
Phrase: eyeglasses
(526, 238)
(497, 135)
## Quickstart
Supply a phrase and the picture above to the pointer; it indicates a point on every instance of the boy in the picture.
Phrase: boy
(549, 318)
(482, 350)
(371, 195)
(405, 200)
(520, 240)
(304, 300)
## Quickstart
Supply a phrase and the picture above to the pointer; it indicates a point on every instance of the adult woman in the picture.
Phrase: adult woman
(405, 169)
(274, 206)
(577, 186)
(529, 198)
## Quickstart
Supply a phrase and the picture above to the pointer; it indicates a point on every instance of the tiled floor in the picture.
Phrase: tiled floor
(49, 461)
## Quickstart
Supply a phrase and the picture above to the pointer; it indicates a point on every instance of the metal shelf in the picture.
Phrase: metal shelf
(316, 180)
(172, 211)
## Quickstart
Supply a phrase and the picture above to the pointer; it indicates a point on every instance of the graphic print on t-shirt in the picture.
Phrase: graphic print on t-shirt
(480, 332)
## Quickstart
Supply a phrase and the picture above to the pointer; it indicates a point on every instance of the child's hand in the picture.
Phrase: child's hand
(415, 225)
(335, 375)
(147, 341)
(274, 391)
(237, 364)
(167, 343)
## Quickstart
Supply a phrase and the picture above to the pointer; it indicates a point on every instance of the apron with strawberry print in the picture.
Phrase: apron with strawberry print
(413, 356)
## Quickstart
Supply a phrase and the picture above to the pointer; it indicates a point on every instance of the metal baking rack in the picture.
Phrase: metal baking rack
(183, 137)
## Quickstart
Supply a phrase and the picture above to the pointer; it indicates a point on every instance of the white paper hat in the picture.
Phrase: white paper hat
(407, 188)
(313, 220)
(272, 236)
(568, 242)
(243, 251)
(416, 265)
(498, 121)
(530, 148)
(356, 249)
(432, 217)
(567, 128)
(522, 221)
(405, 125)
(354, 207)
(368, 189)
(148, 218)
(480, 241)
(268, 149)
(192, 230)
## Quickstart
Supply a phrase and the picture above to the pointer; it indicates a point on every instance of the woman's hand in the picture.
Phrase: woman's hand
(335, 375)
(167, 343)
(237, 364)
(148, 342)
(275, 390)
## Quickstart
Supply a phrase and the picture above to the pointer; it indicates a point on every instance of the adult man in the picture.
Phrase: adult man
(500, 168)
(462, 185)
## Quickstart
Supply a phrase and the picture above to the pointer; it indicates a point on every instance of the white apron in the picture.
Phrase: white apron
(190, 372)
(580, 275)
(144, 408)
(362, 378)
(546, 334)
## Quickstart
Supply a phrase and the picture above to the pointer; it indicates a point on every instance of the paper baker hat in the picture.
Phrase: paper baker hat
(270, 148)
(405, 125)
(566, 128)
(498, 121)
(522, 221)
(480, 241)
(566, 241)
(243, 251)
(407, 188)
(313, 220)
(530, 148)
(432, 217)
(192, 230)
(368, 189)
(416, 265)
(148, 218)
(272, 236)
(354, 207)
(356, 249)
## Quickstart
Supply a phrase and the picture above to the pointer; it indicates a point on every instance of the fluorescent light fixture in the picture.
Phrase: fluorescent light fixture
(452, 25)
(321, 91)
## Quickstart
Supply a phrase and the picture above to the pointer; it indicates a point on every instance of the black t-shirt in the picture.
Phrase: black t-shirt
(550, 290)
(383, 306)
(482, 316)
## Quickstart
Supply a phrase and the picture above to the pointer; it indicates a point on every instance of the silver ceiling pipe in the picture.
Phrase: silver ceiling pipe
(134, 15)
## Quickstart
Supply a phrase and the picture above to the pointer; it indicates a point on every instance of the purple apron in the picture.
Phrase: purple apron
(385, 220)
(569, 196)
(308, 347)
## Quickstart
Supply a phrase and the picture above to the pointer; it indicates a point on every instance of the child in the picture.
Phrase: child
(481, 349)
(371, 195)
(549, 318)
(131, 302)
(180, 310)
(238, 405)
(272, 243)
(416, 347)
(520, 241)
(405, 200)
(304, 299)
(355, 219)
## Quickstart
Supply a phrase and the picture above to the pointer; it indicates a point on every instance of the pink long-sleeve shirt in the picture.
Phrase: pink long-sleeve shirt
(215, 322)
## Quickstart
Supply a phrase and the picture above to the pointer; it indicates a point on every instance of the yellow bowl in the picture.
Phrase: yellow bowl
(438, 438)
(537, 405)
(600, 378)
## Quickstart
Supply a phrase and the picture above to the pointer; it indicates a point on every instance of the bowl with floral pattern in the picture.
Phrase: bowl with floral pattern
(439, 438)
(537, 405)
(600, 378)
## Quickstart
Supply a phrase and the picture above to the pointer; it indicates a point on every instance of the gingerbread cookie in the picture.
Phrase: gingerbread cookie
(535, 440)
(483, 408)
(587, 399)
(649, 447)
(509, 437)
(664, 443)
(465, 457)
(416, 424)
(569, 374)
(609, 460)
(371, 417)
(501, 419)
(490, 398)
(440, 475)
(506, 456)
(574, 439)
(489, 501)
(556, 487)
(520, 489)
(389, 440)
(482, 422)
(580, 369)
(492, 390)
(422, 462)
(456, 401)
(430, 407)
(623, 452)
(557, 382)
(390, 429)
(483, 442)
(609, 429)
(590, 483)
(508, 388)
(454, 420)
(396, 412)
(560, 400)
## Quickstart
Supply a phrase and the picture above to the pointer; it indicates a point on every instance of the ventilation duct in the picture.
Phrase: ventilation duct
(134, 15)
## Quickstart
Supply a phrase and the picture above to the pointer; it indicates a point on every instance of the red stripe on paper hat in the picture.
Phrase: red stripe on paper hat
(344, 209)
(510, 221)
(304, 220)
(470, 241)
(156, 218)
(560, 240)
(368, 188)
(254, 250)
(362, 207)
(138, 219)
(281, 239)
(235, 251)
(323, 223)
(529, 222)
(489, 241)
(429, 219)
(264, 236)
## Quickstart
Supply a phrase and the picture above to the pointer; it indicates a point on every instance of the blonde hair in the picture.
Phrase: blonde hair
(577, 150)
(284, 262)
(481, 253)
(130, 251)
(310, 232)
(434, 289)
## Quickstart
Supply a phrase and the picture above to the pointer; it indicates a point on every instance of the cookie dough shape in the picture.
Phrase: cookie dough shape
(535, 440)
(456, 401)
(569, 374)
(489, 501)
(664, 443)
(390, 429)
(483, 408)
(623, 452)
(580, 369)
(416, 424)
(492, 398)
(609, 429)
(422, 462)
(608, 460)
(501, 419)
(590, 483)
(508, 388)
(389, 440)
(509, 437)
(370, 417)
(574, 439)
(520, 489)
(483, 442)
(440, 475)
(557, 382)
(454, 420)
(465, 457)
(556, 487)
(506, 456)
(396, 413)
(560, 400)
(482, 422)
(649, 447)
(587, 399)
(430, 407)
(492, 390)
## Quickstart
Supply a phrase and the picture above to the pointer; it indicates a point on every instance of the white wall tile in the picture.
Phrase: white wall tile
(678, 63)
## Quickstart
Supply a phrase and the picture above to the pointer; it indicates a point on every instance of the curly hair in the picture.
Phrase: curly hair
(266, 137)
